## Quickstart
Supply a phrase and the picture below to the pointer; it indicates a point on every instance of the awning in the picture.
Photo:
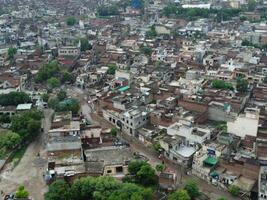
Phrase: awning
(210, 161)
(122, 89)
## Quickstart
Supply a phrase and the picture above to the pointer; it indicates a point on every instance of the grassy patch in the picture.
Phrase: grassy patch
(18, 154)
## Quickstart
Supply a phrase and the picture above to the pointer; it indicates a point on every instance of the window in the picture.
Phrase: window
(119, 169)
(109, 171)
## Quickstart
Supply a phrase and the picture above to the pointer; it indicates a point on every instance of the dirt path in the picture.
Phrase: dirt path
(29, 171)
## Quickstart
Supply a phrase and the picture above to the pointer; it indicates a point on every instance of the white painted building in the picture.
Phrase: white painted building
(245, 124)
(69, 51)
(192, 133)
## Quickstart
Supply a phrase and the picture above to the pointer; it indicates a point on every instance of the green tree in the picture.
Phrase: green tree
(220, 84)
(71, 21)
(47, 71)
(132, 192)
(10, 140)
(85, 45)
(147, 50)
(192, 188)
(53, 103)
(72, 105)
(234, 190)
(157, 147)
(45, 97)
(150, 34)
(146, 175)
(5, 118)
(221, 198)
(160, 167)
(22, 192)
(114, 132)
(135, 165)
(61, 95)
(11, 52)
(67, 77)
(242, 85)
(179, 195)
(59, 190)
(53, 82)
(112, 69)
(27, 124)
(14, 98)
(251, 5)
(108, 10)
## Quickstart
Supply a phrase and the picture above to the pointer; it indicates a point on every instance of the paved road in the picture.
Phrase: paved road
(29, 171)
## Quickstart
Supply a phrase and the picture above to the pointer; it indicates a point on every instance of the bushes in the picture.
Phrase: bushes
(234, 190)
(99, 188)
(108, 10)
(51, 74)
(142, 173)
(14, 98)
(27, 124)
(220, 84)
(66, 105)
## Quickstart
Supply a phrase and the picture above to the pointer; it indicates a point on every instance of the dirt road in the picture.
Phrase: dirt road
(29, 171)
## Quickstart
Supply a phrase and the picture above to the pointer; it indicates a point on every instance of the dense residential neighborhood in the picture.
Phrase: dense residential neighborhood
(133, 100)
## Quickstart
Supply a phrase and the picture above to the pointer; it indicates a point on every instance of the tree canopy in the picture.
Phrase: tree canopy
(71, 21)
(9, 139)
(67, 104)
(195, 13)
(192, 188)
(11, 52)
(85, 45)
(27, 124)
(22, 192)
(142, 173)
(53, 82)
(147, 50)
(14, 98)
(112, 69)
(220, 84)
(47, 71)
(150, 34)
(108, 10)
(100, 188)
(241, 85)
(234, 190)
(179, 195)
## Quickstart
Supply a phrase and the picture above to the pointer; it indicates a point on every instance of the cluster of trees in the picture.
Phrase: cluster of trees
(62, 103)
(194, 13)
(71, 21)
(259, 46)
(22, 193)
(141, 173)
(146, 50)
(8, 141)
(27, 124)
(11, 52)
(53, 75)
(14, 98)
(99, 188)
(220, 84)
(108, 10)
(112, 68)
(234, 190)
(241, 85)
(150, 34)
(85, 45)
(189, 192)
